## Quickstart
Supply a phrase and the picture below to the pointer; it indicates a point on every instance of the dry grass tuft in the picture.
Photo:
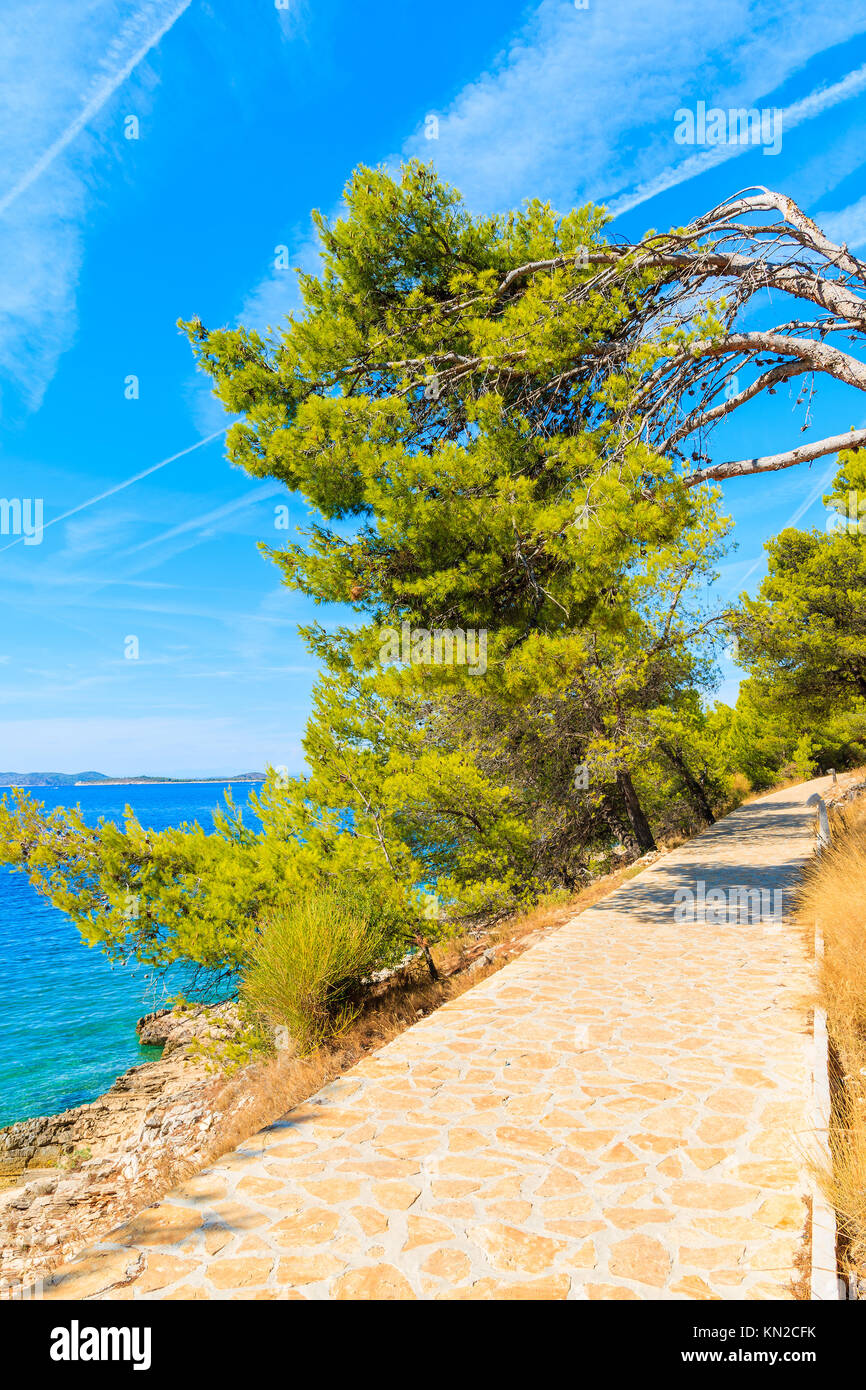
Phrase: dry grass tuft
(307, 963)
(741, 788)
(833, 895)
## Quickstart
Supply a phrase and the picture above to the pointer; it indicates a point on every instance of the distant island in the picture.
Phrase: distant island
(91, 779)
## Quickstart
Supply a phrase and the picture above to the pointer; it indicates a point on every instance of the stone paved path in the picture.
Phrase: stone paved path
(622, 1112)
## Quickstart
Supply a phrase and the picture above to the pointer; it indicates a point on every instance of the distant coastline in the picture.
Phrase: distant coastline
(99, 779)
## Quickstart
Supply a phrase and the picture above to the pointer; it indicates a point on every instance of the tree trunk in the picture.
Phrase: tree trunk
(640, 824)
(428, 956)
(691, 782)
(617, 824)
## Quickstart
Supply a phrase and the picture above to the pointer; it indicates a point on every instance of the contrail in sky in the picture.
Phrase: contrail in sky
(790, 116)
(97, 101)
(119, 487)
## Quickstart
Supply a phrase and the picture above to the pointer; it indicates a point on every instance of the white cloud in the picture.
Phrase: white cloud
(207, 524)
(278, 293)
(580, 106)
(121, 486)
(104, 85)
(291, 17)
(92, 535)
(60, 66)
(848, 225)
(788, 118)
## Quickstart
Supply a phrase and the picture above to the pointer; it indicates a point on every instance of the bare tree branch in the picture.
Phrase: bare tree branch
(771, 463)
(678, 351)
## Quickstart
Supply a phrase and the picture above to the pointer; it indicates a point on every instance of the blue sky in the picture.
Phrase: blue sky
(249, 115)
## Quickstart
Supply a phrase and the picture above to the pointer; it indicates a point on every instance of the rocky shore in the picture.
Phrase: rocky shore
(75, 1176)
(66, 1176)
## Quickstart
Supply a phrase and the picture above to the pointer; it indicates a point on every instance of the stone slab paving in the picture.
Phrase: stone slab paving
(621, 1113)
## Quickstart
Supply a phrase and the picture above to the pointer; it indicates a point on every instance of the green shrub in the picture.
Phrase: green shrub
(307, 962)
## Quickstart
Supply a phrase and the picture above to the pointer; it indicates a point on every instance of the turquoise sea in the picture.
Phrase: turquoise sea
(67, 1017)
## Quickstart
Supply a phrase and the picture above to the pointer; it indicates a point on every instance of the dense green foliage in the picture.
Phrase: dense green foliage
(804, 637)
(426, 397)
(470, 481)
(803, 641)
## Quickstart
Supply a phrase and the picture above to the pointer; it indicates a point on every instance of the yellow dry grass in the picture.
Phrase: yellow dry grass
(833, 896)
